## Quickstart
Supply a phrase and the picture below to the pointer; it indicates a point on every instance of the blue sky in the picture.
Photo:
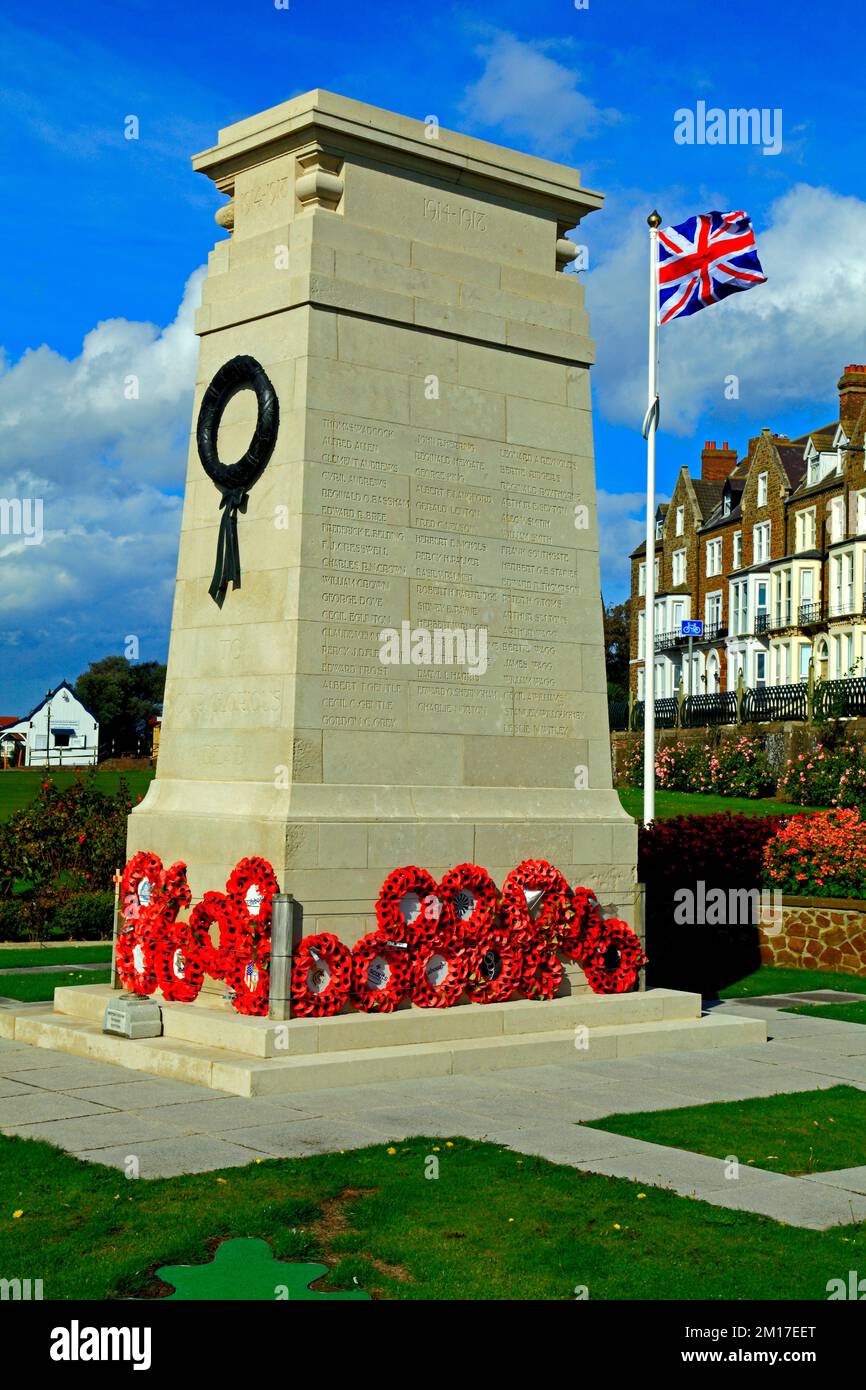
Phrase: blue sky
(102, 234)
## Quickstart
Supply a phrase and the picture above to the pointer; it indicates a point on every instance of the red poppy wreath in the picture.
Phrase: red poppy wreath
(382, 973)
(179, 964)
(140, 877)
(214, 911)
(542, 973)
(410, 907)
(616, 959)
(473, 898)
(535, 899)
(248, 976)
(496, 968)
(584, 924)
(321, 976)
(135, 958)
(441, 971)
(251, 887)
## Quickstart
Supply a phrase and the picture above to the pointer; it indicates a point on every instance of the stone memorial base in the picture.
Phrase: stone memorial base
(255, 1057)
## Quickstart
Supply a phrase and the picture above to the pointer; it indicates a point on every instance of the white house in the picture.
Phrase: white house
(59, 732)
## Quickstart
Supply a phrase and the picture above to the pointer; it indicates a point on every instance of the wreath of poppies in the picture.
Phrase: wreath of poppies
(140, 877)
(583, 926)
(410, 908)
(135, 959)
(441, 972)
(248, 976)
(174, 891)
(473, 898)
(616, 958)
(214, 910)
(382, 973)
(251, 887)
(496, 968)
(542, 973)
(179, 964)
(321, 976)
(547, 918)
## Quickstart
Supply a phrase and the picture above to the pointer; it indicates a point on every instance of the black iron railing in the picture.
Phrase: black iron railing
(809, 613)
(700, 711)
(841, 699)
(767, 703)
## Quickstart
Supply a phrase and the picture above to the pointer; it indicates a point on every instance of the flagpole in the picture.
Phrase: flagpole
(649, 429)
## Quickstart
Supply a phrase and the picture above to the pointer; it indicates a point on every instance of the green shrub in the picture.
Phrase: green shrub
(66, 843)
(86, 917)
(831, 775)
(13, 923)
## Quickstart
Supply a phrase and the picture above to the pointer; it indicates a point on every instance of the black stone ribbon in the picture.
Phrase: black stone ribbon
(235, 480)
(227, 569)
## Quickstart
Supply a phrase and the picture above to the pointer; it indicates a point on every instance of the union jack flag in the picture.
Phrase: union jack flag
(704, 260)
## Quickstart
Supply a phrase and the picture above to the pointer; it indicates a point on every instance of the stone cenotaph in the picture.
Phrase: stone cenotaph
(386, 644)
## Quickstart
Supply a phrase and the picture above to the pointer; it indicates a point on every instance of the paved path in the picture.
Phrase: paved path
(69, 969)
(106, 1114)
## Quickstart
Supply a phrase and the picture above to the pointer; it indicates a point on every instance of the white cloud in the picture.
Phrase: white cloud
(109, 471)
(786, 341)
(529, 95)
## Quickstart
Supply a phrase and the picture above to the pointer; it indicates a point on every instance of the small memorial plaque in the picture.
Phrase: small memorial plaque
(133, 1016)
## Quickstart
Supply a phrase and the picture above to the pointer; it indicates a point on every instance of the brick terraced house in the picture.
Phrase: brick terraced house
(770, 551)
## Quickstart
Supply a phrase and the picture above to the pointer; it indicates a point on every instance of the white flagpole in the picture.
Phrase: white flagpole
(649, 429)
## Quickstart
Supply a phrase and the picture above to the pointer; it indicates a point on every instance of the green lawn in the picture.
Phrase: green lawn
(807, 1132)
(30, 988)
(493, 1225)
(697, 804)
(19, 957)
(17, 789)
(842, 1013)
(777, 979)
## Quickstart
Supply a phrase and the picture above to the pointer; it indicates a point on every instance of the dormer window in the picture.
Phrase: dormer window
(726, 502)
(660, 529)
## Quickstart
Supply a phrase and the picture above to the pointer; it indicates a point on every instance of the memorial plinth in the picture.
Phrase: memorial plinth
(403, 289)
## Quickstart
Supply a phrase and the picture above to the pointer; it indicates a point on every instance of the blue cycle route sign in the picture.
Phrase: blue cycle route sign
(692, 627)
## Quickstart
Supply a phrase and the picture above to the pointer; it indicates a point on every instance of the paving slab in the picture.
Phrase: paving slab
(849, 1179)
(16, 1057)
(80, 1074)
(221, 1116)
(836, 1069)
(402, 1122)
(300, 1138)
(103, 1131)
(36, 1106)
(141, 1095)
(169, 1158)
(565, 1143)
(8, 1087)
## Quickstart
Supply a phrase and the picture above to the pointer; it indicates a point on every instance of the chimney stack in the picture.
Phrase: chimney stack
(716, 464)
(852, 396)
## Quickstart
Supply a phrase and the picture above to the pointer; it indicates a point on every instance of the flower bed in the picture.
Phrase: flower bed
(826, 776)
(730, 768)
(822, 855)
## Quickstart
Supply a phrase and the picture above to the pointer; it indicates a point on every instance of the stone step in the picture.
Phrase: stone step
(245, 1076)
(259, 1037)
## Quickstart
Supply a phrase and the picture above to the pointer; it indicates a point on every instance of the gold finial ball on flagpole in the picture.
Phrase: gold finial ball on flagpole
(654, 220)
